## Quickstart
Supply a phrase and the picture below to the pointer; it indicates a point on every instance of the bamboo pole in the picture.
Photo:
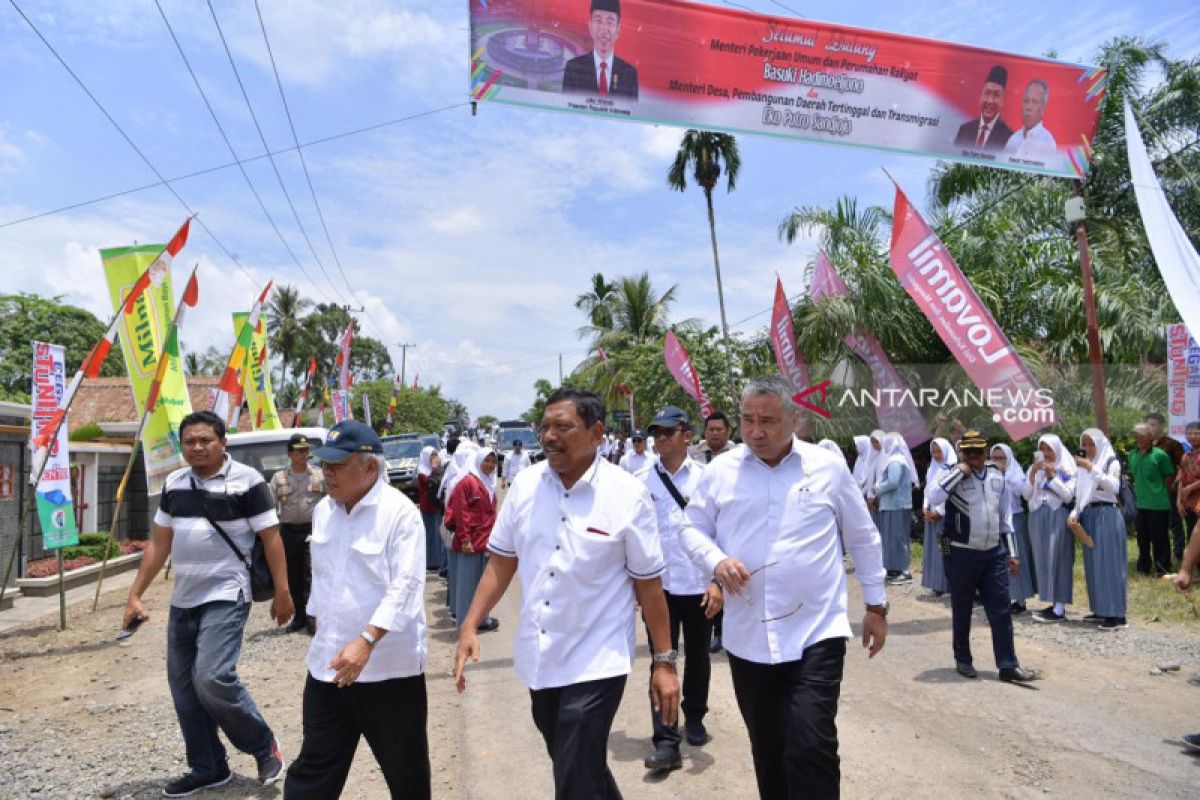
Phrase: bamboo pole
(112, 529)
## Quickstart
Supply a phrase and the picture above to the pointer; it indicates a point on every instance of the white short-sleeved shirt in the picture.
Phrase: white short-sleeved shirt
(206, 568)
(579, 550)
(682, 576)
(368, 568)
(783, 523)
(634, 462)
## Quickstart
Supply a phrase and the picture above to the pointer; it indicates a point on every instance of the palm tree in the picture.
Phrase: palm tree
(597, 304)
(706, 153)
(283, 313)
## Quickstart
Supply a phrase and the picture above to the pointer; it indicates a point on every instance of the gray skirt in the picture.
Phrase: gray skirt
(1106, 565)
(466, 578)
(1024, 586)
(933, 568)
(895, 532)
(1053, 553)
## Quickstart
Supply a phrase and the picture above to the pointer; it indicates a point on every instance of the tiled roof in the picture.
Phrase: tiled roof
(111, 400)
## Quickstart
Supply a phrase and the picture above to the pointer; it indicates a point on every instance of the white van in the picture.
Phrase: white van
(266, 451)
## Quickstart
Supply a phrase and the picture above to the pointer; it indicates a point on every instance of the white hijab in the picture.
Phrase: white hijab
(426, 466)
(863, 445)
(949, 459)
(459, 466)
(876, 461)
(897, 451)
(476, 469)
(831, 446)
(1012, 470)
(1085, 484)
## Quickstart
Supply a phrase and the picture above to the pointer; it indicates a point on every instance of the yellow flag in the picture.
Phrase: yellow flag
(256, 378)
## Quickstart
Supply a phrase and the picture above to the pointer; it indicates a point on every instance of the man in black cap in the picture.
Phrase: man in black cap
(980, 554)
(988, 132)
(637, 459)
(296, 490)
(600, 72)
(366, 664)
(693, 599)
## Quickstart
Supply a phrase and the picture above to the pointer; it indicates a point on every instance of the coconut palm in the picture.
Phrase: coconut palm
(284, 312)
(707, 154)
(597, 304)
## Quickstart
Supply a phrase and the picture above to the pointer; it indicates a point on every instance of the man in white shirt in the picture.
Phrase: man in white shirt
(1033, 141)
(637, 459)
(366, 664)
(769, 520)
(582, 534)
(693, 598)
(516, 460)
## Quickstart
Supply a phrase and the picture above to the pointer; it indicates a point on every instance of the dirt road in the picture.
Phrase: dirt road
(82, 716)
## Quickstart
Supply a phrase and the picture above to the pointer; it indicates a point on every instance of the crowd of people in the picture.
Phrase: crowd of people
(717, 544)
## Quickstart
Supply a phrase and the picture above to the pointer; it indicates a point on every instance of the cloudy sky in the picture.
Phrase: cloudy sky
(469, 236)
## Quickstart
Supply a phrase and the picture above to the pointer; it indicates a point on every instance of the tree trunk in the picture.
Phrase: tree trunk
(712, 229)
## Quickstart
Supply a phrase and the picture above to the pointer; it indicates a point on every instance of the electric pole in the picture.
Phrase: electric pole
(560, 379)
(403, 362)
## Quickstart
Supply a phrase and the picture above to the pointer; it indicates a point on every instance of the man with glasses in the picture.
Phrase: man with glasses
(768, 520)
(977, 542)
(693, 599)
(582, 533)
(637, 459)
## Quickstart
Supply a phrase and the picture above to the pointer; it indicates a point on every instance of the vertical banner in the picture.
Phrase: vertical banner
(256, 376)
(899, 415)
(679, 364)
(143, 330)
(345, 379)
(1183, 379)
(677, 62)
(56, 511)
(366, 409)
(783, 340)
(943, 293)
(341, 406)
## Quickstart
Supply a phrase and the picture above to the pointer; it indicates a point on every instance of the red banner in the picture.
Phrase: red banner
(943, 293)
(681, 63)
(345, 379)
(897, 412)
(783, 341)
(680, 365)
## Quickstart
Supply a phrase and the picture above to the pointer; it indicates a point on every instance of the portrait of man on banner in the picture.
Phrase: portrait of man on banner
(1033, 141)
(600, 72)
(987, 131)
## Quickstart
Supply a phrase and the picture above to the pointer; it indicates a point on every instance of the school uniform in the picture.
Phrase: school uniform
(1053, 543)
(1106, 563)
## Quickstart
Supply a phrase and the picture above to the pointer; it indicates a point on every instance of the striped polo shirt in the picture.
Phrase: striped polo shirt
(236, 498)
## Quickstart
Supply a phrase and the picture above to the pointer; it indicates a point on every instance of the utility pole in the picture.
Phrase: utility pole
(403, 362)
(1075, 216)
(560, 378)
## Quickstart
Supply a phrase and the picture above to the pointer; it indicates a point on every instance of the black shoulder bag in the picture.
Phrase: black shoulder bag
(262, 585)
(670, 484)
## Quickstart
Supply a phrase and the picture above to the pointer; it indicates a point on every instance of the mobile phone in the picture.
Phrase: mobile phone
(125, 633)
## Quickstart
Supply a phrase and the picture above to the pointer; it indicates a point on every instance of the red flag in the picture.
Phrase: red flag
(343, 358)
(943, 293)
(783, 340)
(416, 379)
(162, 262)
(679, 363)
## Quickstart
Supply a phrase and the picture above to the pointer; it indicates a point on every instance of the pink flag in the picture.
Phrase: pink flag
(343, 358)
(934, 281)
(900, 415)
(680, 365)
(783, 340)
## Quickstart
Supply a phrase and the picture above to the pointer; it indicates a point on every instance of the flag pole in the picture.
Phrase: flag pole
(98, 353)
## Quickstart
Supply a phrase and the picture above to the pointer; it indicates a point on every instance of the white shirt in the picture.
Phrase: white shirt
(988, 128)
(368, 568)
(514, 463)
(1034, 143)
(682, 577)
(578, 552)
(784, 521)
(1053, 493)
(633, 463)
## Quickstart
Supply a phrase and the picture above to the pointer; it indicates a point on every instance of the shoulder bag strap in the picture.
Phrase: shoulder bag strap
(670, 484)
(236, 551)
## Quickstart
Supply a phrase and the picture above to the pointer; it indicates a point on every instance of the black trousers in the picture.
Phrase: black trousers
(1179, 534)
(575, 721)
(299, 564)
(984, 572)
(391, 714)
(687, 615)
(790, 710)
(1154, 544)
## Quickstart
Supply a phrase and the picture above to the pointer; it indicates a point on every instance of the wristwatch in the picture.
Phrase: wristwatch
(665, 657)
(881, 610)
(368, 638)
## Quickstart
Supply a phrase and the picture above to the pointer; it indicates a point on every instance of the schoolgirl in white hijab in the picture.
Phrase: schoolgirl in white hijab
(831, 446)
(894, 495)
(862, 444)
(487, 479)
(933, 570)
(1051, 487)
(1106, 562)
(876, 460)
(1024, 585)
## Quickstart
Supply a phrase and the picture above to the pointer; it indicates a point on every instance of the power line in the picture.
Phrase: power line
(267, 147)
(232, 151)
(130, 141)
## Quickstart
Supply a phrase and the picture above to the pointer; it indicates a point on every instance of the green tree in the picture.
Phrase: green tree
(283, 314)
(487, 420)
(417, 410)
(596, 304)
(542, 390)
(706, 153)
(26, 318)
(456, 411)
(320, 331)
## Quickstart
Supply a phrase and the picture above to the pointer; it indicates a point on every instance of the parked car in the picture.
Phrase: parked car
(266, 451)
(529, 443)
(402, 454)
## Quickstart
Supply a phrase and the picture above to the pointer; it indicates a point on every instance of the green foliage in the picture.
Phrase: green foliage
(487, 420)
(95, 550)
(25, 318)
(86, 433)
(417, 410)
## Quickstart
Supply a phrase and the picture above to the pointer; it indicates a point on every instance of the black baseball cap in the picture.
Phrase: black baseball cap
(638, 434)
(671, 417)
(346, 438)
(298, 442)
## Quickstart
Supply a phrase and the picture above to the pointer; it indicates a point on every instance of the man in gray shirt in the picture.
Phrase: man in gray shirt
(211, 601)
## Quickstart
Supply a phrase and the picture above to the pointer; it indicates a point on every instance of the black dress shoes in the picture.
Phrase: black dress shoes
(966, 670)
(664, 758)
(1018, 675)
(696, 733)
